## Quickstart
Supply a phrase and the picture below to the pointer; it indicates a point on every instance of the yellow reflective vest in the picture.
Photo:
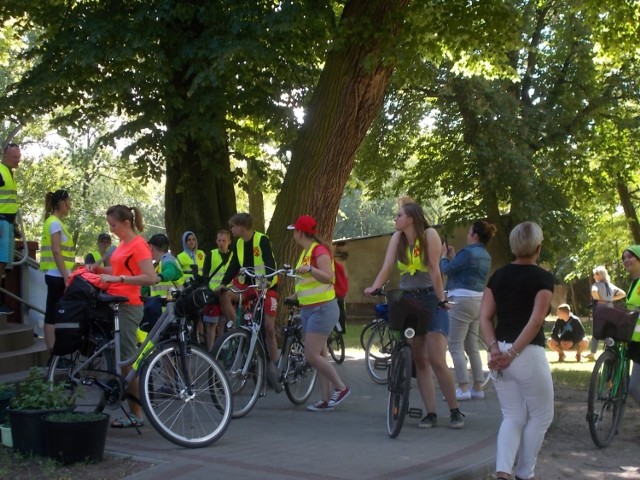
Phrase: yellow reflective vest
(415, 262)
(8, 192)
(258, 261)
(309, 290)
(47, 262)
(216, 261)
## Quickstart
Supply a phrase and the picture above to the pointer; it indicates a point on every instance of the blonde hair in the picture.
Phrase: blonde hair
(525, 239)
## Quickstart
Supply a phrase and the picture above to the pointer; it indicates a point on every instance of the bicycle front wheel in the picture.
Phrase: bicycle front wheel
(399, 389)
(231, 351)
(91, 382)
(335, 345)
(300, 377)
(378, 353)
(187, 398)
(607, 395)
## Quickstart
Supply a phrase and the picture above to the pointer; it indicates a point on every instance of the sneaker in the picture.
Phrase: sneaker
(591, 357)
(476, 393)
(460, 395)
(5, 310)
(320, 406)
(456, 419)
(272, 377)
(428, 421)
(338, 396)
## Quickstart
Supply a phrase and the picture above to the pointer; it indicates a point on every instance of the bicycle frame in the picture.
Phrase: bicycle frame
(621, 352)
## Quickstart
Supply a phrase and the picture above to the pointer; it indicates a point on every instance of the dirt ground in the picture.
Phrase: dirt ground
(568, 451)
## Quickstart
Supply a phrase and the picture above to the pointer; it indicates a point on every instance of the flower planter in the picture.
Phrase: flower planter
(27, 430)
(75, 436)
(5, 433)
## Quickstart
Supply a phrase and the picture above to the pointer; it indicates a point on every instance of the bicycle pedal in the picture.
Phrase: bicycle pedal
(381, 364)
(415, 412)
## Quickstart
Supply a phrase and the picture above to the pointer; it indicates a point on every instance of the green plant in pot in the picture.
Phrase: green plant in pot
(73, 437)
(34, 398)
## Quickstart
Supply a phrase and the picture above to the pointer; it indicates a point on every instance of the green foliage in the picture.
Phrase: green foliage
(74, 417)
(35, 393)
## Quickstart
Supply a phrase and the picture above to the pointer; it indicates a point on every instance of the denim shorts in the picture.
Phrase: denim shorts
(320, 318)
(440, 322)
(7, 242)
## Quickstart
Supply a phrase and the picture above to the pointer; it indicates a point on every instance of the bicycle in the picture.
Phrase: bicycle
(242, 353)
(379, 344)
(406, 310)
(608, 390)
(184, 393)
(335, 344)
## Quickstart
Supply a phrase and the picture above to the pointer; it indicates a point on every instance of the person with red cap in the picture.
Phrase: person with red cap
(318, 308)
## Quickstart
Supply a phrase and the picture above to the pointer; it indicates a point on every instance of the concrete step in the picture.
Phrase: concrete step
(15, 337)
(21, 360)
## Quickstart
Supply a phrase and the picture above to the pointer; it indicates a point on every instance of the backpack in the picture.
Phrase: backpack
(78, 315)
(341, 284)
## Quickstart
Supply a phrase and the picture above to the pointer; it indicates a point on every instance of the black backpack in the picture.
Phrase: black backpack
(78, 315)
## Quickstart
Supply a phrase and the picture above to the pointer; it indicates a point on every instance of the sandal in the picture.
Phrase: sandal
(130, 421)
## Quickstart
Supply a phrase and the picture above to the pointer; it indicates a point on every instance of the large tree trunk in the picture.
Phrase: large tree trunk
(199, 195)
(346, 100)
(629, 210)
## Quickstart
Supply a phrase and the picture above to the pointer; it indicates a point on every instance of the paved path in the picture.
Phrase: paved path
(278, 440)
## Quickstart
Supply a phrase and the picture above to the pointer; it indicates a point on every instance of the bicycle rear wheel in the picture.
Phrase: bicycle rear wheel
(335, 345)
(94, 385)
(366, 332)
(231, 351)
(187, 399)
(378, 353)
(300, 377)
(607, 395)
(399, 389)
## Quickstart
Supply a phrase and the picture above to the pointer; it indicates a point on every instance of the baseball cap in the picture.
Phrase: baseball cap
(304, 223)
(104, 237)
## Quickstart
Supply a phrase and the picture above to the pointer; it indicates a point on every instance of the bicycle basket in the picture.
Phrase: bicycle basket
(411, 309)
(614, 322)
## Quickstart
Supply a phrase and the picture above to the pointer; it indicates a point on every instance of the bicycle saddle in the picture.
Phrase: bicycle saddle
(106, 298)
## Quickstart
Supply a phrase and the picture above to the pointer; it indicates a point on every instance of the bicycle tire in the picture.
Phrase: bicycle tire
(335, 345)
(93, 387)
(365, 333)
(378, 354)
(193, 412)
(399, 389)
(605, 406)
(230, 351)
(300, 377)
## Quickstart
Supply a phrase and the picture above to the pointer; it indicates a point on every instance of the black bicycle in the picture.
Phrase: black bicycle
(407, 310)
(335, 344)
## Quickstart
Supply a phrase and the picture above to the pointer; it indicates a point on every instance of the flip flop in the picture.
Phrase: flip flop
(130, 421)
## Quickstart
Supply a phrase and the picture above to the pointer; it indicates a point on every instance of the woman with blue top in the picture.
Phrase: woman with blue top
(57, 256)
(415, 249)
(467, 273)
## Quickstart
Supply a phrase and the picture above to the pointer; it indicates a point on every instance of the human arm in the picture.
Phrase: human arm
(56, 251)
(389, 261)
(170, 272)
(232, 269)
(595, 293)
(487, 327)
(433, 243)
(453, 264)
(147, 275)
(267, 254)
(618, 293)
(323, 270)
